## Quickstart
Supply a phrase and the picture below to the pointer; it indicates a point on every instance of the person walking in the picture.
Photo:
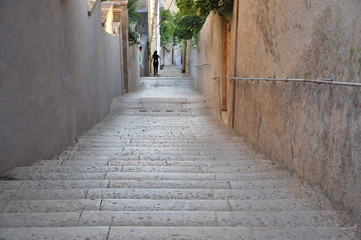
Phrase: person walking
(155, 59)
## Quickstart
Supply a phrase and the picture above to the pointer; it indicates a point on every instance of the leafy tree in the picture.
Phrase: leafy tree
(133, 19)
(166, 28)
(187, 25)
(193, 13)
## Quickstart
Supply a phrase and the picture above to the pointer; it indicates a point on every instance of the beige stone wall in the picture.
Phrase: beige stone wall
(207, 69)
(311, 129)
(134, 71)
(59, 72)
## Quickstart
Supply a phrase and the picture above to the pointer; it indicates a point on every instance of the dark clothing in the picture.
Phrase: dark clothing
(155, 64)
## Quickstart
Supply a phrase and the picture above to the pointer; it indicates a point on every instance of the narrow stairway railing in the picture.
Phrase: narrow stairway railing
(318, 81)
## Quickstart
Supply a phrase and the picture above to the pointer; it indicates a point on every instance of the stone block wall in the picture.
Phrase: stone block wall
(59, 72)
(314, 130)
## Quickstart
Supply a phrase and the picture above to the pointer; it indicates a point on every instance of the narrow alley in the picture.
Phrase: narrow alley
(159, 166)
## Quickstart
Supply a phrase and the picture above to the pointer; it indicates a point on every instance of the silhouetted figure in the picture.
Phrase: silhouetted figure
(155, 59)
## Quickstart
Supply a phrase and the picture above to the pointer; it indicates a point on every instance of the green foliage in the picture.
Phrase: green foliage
(223, 8)
(166, 28)
(193, 13)
(187, 26)
(133, 19)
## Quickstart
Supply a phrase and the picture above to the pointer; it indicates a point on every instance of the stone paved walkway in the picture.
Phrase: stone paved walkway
(160, 167)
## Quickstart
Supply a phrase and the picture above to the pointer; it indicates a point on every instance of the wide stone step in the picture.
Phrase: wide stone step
(49, 194)
(199, 176)
(59, 176)
(197, 146)
(48, 206)
(68, 219)
(129, 168)
(220, 194)
(75, 205)
(210, 218)
(136, 162)
(190, 233)
(156, 184)
(154, 157)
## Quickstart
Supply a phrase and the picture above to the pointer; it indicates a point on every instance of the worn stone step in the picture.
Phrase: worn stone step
(195, 169)
(199, 176)
(285, 219)
(154, 218)
(267, 184)
(241, 169)
(200, 163)
(169, 184)
(78, 169)
(275, 175)
(278, 205)
(178, 157)
(21, 220)
(262, 194)
(234, 194)
(64, 184)
(47, 194)
(116, 193)
(44, 206)
(191, 233)
(129, 168)
(55, 233)
(309, 233)
(101, 158)
(231, 233)
(87, 184)
(61, 176)
(10, 185)
(210, 218)
(163, 205)
(48, 163)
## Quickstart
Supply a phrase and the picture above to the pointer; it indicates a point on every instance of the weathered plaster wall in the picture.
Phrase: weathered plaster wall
(207, 61)
(59, 72)
(312, 129)
(134, 72)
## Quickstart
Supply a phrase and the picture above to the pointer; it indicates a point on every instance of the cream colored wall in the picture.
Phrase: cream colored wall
(134, 71)
(109, 21)
(207, 70)
(311, 129)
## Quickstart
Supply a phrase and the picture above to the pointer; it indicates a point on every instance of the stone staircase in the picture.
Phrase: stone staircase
(171, 72)
(160, 167)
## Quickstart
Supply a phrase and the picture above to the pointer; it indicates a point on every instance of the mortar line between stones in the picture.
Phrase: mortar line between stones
(87, 193)
(229, 204)
(253, 237)
(108, 233)
(100, 205)
(81, 214)
(216, 216)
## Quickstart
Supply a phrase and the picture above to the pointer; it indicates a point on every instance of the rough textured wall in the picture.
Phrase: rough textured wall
(312, 129)
(59, 71)
(134, 72)
(207, 61)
